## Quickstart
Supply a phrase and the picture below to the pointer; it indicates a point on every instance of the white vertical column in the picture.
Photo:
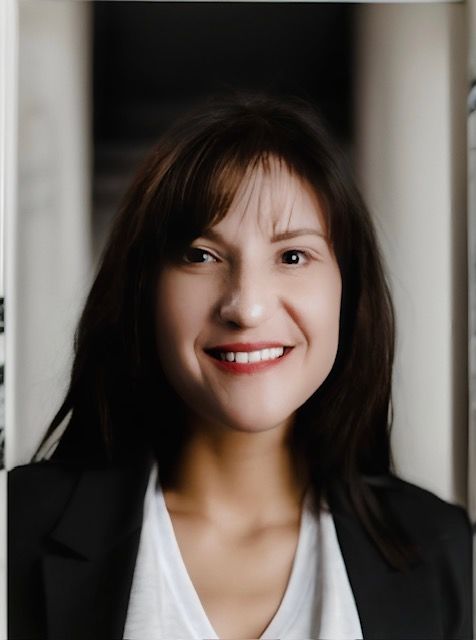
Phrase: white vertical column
(8, 111)
(411, 88)
(52, 260)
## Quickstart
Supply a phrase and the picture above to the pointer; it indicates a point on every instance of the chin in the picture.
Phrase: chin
(250, 424)
(244, 417)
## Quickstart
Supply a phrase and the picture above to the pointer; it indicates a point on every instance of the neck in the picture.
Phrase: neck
(246, 477)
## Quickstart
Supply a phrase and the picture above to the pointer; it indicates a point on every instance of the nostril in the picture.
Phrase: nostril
(232, 324)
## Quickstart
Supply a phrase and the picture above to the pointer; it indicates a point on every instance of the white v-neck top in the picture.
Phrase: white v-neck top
(318, 602)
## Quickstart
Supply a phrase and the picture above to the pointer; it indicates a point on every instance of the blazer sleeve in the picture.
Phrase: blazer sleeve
(456, 565)
(445, 536)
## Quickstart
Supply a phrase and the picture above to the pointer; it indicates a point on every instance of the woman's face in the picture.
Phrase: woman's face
(248, 321)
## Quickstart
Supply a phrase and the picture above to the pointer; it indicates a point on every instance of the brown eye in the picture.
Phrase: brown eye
(293, 256)
(195, 255)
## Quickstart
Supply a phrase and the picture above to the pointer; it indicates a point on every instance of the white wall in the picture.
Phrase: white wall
(411, 150)
(52, 261)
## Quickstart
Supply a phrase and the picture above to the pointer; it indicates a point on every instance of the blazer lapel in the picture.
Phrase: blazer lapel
(391, 605)
(89, 567)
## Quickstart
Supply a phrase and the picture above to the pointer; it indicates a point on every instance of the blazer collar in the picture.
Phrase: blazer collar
(110, 500)
(92, 550)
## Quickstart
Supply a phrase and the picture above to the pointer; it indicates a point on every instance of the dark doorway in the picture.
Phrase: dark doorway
(153, 59)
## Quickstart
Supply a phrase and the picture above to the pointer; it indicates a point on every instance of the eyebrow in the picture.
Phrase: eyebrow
(277, 237)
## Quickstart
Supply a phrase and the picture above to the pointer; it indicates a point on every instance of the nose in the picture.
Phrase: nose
(247, 300)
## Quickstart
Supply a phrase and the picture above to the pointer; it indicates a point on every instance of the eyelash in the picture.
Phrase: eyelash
(197, 250)
(300, 252)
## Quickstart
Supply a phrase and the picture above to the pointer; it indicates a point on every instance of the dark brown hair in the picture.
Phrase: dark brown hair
(118, 393)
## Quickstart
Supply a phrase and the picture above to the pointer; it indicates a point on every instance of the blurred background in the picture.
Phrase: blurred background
(153, 60)
(88, 87)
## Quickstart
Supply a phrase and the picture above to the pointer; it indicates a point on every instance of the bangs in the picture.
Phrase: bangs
(203, 182)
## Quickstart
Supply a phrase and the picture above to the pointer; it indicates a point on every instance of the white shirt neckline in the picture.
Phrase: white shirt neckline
(163, 604)
(299, 582)
(174, 566)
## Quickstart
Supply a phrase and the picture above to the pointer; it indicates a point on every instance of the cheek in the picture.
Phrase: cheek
(322, 318)
(321, 321)
(318, 305)
(182, 309)
(327, 308)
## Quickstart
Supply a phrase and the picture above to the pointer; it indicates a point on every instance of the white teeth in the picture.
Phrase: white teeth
(243, 357)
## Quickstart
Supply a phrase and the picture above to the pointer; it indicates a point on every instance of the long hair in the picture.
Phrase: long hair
(118, 394)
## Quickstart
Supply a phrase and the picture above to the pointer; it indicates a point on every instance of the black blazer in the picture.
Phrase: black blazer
(74, 534)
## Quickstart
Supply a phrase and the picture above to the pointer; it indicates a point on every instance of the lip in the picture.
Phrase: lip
(248, 367)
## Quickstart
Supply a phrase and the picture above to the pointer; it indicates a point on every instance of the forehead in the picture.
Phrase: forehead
(274, 199)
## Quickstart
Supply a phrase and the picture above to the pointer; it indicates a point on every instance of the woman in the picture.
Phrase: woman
(225, 471)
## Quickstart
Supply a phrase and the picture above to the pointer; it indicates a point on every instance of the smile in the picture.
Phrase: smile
(252, 356)
(249, 360)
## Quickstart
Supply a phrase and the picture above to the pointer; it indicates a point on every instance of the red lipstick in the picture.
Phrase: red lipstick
(246, 347)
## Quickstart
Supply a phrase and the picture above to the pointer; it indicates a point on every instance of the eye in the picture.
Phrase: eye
(294, 256)
(195, 255)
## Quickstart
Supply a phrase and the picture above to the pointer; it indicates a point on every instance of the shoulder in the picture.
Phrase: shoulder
(42, 481)
(40, 492)
(412, 496)
(439, 536)
(37, 493)
(40, 474)
(433, 523)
